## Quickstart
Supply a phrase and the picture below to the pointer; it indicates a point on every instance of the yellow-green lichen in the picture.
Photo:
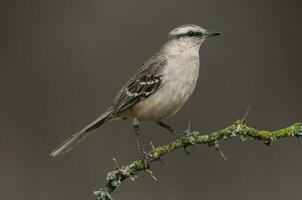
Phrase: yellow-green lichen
(239, 128)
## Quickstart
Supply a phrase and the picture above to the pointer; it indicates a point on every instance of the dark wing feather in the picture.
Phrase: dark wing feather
(143, 84)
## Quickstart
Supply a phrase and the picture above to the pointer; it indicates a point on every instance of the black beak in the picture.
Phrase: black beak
(210, 33)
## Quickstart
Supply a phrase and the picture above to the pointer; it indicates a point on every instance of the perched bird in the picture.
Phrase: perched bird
(160, 87)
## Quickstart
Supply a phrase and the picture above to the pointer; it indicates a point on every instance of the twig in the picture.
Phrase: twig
(239, 128)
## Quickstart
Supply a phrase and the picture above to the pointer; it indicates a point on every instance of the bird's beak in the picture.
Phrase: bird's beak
(211, 33)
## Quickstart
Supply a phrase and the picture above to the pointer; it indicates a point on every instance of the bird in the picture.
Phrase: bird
(159, 88)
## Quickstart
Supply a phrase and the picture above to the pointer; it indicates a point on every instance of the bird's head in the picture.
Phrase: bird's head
(190, 35)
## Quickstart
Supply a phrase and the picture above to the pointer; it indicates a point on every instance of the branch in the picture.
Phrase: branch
(239, 128)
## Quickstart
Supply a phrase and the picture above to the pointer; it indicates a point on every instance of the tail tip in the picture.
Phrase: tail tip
(53, 154)
(57, 152)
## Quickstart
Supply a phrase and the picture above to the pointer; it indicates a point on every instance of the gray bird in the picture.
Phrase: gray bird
(160, 87)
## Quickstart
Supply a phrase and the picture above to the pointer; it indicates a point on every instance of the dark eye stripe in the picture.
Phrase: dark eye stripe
(190, 34)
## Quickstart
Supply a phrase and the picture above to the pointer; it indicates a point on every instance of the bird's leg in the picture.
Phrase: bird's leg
(142, 152)
(162, 124)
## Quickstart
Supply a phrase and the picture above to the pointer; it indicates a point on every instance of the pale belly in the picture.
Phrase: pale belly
(178, 86)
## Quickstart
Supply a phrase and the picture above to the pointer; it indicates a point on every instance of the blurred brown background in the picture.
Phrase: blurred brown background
(58, 70)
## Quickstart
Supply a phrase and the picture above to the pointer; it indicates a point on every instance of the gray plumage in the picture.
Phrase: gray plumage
(78, 137)
(143, 84)
(159, 88)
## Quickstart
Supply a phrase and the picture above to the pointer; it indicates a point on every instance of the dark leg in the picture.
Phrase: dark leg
(142, 152)
(162, 124)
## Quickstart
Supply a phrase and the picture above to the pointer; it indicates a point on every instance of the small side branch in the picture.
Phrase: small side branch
(239, 128)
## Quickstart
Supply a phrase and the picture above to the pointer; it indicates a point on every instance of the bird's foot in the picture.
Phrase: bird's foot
(190, 132)
(144, 159)
(178, 134)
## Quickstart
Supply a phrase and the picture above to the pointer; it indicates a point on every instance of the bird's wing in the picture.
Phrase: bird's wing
(144, 83)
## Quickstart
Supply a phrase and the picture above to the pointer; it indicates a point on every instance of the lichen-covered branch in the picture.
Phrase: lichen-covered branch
(239, 128)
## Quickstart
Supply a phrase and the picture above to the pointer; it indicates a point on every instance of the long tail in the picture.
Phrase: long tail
(78, 137)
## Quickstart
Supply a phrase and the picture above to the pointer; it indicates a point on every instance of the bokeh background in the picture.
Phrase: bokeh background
(63, 61)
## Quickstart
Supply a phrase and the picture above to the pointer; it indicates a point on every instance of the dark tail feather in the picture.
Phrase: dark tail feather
(78, 137)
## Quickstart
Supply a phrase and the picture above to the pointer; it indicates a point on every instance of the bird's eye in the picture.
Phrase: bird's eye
(191, 33)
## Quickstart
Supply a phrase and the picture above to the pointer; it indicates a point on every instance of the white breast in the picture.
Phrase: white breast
(179, 80)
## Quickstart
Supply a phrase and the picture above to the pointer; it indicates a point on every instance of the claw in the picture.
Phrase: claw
(144, 158)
